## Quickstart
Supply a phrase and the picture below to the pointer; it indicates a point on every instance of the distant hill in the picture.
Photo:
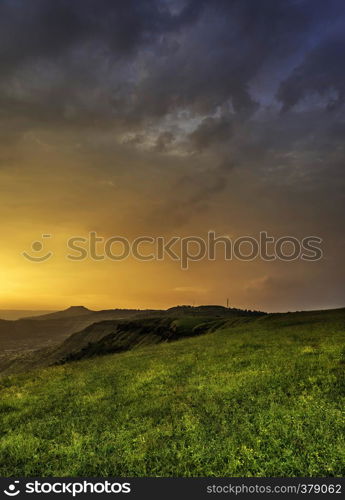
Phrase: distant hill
(46, 342)
(42, 331)
(114, 336)
(51, 329)
(48, 337)
(71, 312)
(212, 310)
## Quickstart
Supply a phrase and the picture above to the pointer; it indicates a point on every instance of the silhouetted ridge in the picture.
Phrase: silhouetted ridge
(212, 310)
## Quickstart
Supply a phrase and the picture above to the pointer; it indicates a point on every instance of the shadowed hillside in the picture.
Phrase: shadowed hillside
(50, 329)
(104, 332)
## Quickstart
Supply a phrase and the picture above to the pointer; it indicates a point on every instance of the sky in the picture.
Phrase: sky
(170, 118)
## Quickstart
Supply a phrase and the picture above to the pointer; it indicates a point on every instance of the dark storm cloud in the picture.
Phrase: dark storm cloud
(122, 63)
(163, 141)
(41, 28)
(211, 132)
(214, 61)
(321, 72)
(207, 184)
(131, 66)
(67, 62)
(191, 195)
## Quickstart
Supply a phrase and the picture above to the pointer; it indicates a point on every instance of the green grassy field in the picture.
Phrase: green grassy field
(263, 397)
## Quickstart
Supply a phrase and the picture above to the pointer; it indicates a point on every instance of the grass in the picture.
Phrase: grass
(264, 397)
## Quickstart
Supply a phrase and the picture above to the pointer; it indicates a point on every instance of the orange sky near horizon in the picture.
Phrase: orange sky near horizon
(71, 198)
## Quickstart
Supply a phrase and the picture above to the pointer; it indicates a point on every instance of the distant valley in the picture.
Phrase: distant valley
(14, 314)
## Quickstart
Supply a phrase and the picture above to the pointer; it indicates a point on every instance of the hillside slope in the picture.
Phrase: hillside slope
(117, 336)
(46, 340)
(51, 329)
(260, 398)
(114, 336)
